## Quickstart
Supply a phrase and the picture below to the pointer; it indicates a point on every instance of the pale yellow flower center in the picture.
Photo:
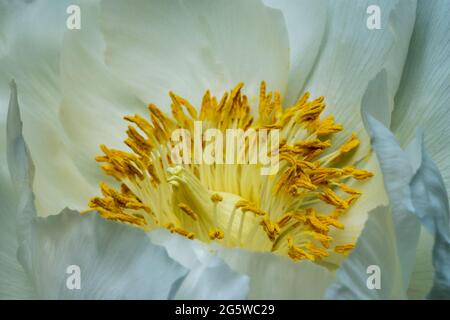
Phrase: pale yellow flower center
(289, 213)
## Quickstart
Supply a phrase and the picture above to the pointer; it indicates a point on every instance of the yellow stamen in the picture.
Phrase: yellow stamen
(156, 191)
(216, 234)
(344, 249)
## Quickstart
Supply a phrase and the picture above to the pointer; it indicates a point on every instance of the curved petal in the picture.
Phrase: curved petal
(275, 277)
(305, 23)
(375, 247)
(423, 98)
(191, 46)
(352, 55)
(14, 283)
(33, 60)
(112, 260)
(397, 172)
(416, 190)
(209, 276)
(432, 208)
(398, 167)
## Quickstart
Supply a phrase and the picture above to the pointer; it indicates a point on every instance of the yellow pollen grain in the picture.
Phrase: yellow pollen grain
(344, 249)
(216, 234)
(171, 227)
(186, 209)
(216, 198)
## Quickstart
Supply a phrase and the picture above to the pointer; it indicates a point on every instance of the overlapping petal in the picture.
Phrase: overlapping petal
(114, 261)
(423, 99)
(352, 55)
(209, 277)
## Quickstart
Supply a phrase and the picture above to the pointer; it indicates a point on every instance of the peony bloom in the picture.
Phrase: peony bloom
(89, 181)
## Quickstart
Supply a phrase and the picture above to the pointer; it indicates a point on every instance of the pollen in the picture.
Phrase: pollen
(294, 212)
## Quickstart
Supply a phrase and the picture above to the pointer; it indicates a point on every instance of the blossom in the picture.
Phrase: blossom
(347, 194)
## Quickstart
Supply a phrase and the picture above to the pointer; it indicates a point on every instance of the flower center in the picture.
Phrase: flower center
(293, 212)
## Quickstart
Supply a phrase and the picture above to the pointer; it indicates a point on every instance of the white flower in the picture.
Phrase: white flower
(75, 86)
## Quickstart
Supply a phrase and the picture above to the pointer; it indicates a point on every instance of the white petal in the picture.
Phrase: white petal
(209, 276)
(115, 261)
(352, 55)
(431, 206)
(90, 114)
(391, 234)
(305, 22)
(398, 169)
(271, 276)
(213, 283)
(416, 190)
(20, 165)
(375, 247)
(424, 97)
(33, 60)
(14, 283)
(191, 46)
(276, 277)
(422, 276)
(373, 192)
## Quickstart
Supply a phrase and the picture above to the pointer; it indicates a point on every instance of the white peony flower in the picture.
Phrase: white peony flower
(347, 198)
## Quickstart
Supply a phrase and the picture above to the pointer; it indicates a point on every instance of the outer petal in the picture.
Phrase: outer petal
(114, 259)
(305, 21)
(431, 204)
(423, 98)
(352, 55)
(396, 257)
(14, 283)
(397, 173)
(422, 276)
(32, 58)
(209, 276)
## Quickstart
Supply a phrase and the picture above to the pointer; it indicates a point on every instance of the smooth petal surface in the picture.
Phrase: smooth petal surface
(423, 272)
(275, 277)
(32, 58)
(115, 261)
(267, 276)
(191, 46)
(423, 99)
(305, 21)
(209, 276)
